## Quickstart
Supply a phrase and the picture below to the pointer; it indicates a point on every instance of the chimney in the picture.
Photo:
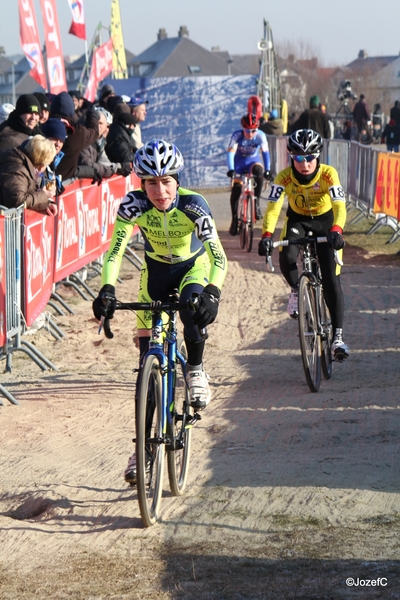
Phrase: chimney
(183, 31)
(362, 54)
(2, 51)
(162, 34)
(215, 49)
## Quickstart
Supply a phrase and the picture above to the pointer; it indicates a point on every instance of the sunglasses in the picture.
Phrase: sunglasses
(250, 130)
(308, 158)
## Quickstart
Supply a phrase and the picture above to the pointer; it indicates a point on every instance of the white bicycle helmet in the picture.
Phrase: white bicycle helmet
(157, 158)
(5, 110)
(105, 112)
(304, 141)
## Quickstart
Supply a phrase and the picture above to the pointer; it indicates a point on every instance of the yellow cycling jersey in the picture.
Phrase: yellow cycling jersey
(323, 193)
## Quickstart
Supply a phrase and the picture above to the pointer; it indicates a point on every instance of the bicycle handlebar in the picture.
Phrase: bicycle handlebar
(304, 242)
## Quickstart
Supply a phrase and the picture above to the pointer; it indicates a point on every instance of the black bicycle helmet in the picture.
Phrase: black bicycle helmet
(304, 141)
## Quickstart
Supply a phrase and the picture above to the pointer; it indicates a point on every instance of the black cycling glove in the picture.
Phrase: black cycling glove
(335, 240)
(105, 303)
(207, 310)
(230, 173)
(267, 175)
(265, 246)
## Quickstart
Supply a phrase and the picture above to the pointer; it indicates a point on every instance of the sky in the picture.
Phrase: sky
(335, 29)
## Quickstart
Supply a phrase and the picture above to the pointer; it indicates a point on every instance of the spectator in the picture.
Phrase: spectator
(5, 110)
(79, 136)
(362, 116)
(105, 93)
(121, 146)
(55, 131)
(93, 161)
(395, 113)
(322, 108)
(44, 107)
(20, 170)
(313, 118)
(273, 125)
(139, 110)
(21, 123)
(78, 101)
(347, 131)
(112, 102)
(391, 134)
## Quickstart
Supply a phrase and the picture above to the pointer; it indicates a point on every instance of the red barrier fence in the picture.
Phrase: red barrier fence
(54, 248)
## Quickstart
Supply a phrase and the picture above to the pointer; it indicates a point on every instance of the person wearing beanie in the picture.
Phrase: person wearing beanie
(121, 147)
(21, 123)
(105, 93)
(20, 171)
(79, 136)
(44, 107)
(78, 101)
(313, 118)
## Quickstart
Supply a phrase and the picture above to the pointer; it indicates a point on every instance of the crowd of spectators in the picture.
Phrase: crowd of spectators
(48, 141)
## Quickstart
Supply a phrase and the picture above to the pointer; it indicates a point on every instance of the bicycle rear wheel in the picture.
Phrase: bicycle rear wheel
(150, 447)
(178, 459)
(326, 339)
(308, 333)
(250, 221)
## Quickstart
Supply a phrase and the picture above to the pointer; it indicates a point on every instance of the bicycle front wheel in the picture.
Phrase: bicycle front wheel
(326, 339)
(150, 447)
(250, 221)
(308, 333)
(181, 433)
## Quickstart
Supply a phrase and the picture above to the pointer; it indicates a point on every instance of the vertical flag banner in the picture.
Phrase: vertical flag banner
(119, 59)
(29, 39)
(55, 59)
(78, 26)
(102, 64)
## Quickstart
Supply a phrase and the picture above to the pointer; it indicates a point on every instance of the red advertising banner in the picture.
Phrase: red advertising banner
(38, 252)
(101, 67)
(55, 59)
(85, 221)
(3, 327)
(387, 192)
(78, 26)
(30, 42)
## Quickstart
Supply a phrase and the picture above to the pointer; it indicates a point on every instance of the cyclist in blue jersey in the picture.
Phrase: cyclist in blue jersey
(244, 158)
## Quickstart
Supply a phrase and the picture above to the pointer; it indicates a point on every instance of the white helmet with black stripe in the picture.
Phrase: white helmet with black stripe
(157, 158)
(304, 141)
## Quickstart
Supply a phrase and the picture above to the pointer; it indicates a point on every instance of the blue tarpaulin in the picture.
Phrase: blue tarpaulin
(198, 114)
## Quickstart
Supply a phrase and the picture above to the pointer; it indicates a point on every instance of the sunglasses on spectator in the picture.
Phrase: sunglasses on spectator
(308, 158)
(250, 130)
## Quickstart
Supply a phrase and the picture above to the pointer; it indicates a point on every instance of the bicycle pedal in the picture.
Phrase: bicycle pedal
(196, 417)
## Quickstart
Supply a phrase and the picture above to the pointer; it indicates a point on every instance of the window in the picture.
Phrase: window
(141, 69)
(194, 69)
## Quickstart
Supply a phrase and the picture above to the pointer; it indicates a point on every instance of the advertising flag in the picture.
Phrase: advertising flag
(78, 26)
(55, 59)
(119, 59)
(29, 39)
(101, 67)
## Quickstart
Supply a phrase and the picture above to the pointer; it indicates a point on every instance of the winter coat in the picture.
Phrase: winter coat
(315, 119)
(391, 134)
(361, 113)
(93, 156)
(14, 131)
(79, 137)
(120, 146)
(273, 127)
(19, 182)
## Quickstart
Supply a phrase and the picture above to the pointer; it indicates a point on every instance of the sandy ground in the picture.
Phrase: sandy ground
(290, 493)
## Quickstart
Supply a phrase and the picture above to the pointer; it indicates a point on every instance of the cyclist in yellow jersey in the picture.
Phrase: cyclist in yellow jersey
(317, 203)
(182, 250)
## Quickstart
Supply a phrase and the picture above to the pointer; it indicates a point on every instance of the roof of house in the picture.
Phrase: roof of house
(371, 64)
(180, 57)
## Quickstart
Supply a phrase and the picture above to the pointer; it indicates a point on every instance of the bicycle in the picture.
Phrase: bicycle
(315, 325)
(164, 417)
(246, 211)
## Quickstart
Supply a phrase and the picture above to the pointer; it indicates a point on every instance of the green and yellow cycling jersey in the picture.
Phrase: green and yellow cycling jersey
(175, 236)
(323, 193)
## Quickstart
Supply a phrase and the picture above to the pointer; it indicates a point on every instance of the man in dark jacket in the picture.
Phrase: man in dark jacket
(361, 116)
(272, 126)
(313, 118)
(395, 113)
(21, 123)
(79, 136)
(120, 144)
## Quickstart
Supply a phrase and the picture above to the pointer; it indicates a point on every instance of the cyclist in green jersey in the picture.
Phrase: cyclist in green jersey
(182, 251)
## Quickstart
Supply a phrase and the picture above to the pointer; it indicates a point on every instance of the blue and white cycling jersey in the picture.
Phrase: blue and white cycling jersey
(247, 151)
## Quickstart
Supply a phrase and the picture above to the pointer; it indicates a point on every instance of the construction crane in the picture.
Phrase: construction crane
(268, 82)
